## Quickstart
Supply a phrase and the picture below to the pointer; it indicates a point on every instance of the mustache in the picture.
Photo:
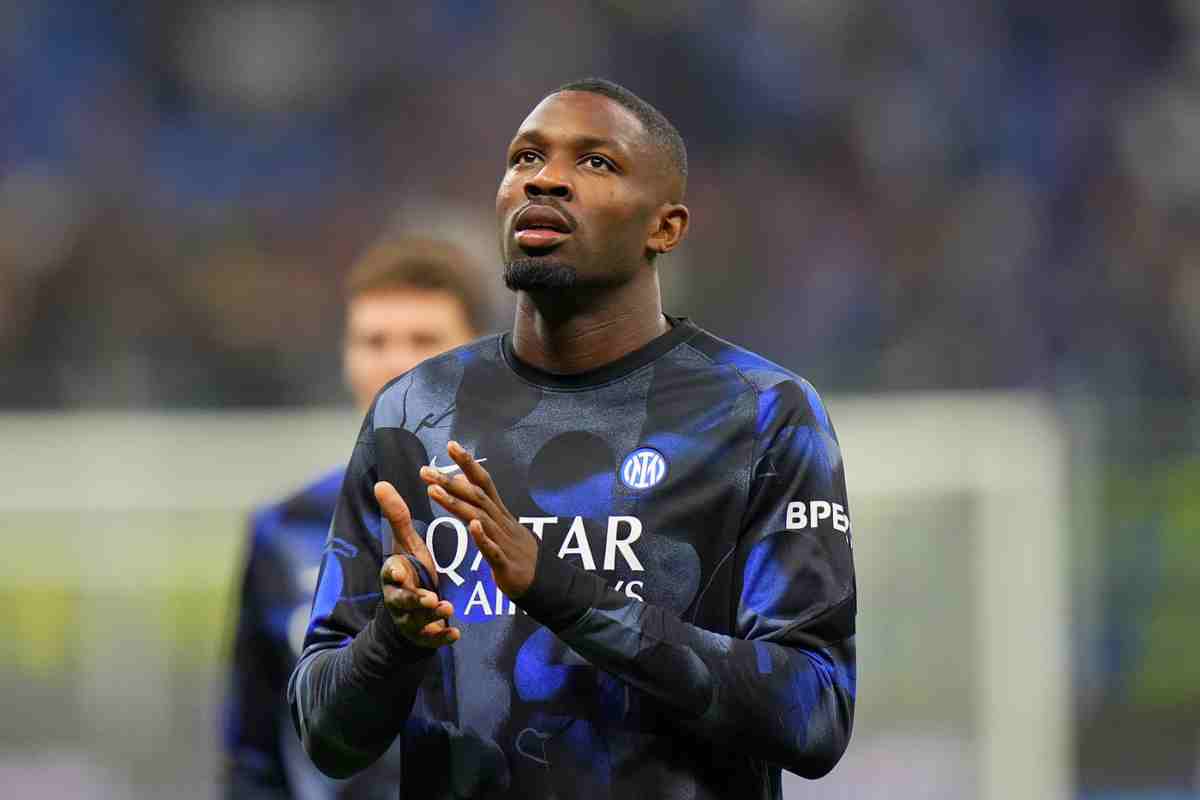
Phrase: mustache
(549, 202)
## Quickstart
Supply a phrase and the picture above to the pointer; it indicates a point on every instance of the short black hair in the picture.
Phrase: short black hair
(664, 135)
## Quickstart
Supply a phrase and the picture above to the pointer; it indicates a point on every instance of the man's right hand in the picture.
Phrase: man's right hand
(421, 616)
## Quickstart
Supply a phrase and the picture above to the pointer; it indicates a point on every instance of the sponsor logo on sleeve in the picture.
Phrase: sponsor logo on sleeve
(802, 515)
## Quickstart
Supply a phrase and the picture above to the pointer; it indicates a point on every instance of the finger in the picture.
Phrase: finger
(460, 486)
(464, 490)
(439, 632)
(404, 536)
(399, 598)
(441, 639)
(474, 471)
(491, 551)
(460, 508)
(434, 477)
(440, 610)
(398, 572)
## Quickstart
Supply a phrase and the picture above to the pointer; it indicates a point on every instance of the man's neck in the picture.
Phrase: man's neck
(567, 333)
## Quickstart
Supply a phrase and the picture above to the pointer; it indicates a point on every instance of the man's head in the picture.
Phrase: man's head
(592, 191)
(406, 300)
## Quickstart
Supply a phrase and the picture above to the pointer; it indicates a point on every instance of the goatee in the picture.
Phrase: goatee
(539, 275)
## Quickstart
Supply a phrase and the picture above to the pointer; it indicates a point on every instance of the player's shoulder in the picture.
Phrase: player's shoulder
(781, 392)
(309, 507)
(434, 377)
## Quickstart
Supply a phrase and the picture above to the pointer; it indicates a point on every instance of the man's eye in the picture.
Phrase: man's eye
(599, 162)
(525, 157)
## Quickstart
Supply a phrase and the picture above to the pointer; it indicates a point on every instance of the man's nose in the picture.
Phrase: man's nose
(549, 182)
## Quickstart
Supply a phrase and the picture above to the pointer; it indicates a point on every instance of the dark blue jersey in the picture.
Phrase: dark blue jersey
(263, 757)
(689, 630)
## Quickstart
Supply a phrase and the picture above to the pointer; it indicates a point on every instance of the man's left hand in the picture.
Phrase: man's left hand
(509, 547)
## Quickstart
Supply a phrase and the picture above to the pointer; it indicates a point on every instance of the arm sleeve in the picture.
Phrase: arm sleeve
(354, 686)
(782, 688)
(253, 762)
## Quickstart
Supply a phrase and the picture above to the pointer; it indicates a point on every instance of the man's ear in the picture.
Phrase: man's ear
(672, 227)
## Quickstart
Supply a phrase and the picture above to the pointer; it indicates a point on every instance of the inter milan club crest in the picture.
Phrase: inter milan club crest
(643, 469)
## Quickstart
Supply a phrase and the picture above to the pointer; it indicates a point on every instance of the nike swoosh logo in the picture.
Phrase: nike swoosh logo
(451, 469)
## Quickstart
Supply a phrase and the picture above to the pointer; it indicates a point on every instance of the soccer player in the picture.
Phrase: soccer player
(604, 555)
(407, 300)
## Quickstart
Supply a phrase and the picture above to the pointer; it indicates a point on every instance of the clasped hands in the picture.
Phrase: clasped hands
(509, 547)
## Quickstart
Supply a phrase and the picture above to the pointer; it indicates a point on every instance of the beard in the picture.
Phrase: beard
(539, 275)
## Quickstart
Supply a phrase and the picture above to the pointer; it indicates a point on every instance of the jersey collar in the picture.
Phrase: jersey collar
(682, 329)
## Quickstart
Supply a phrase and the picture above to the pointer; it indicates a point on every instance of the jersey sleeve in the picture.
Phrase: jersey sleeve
(354, 686)
(782, 688)
(253, 765)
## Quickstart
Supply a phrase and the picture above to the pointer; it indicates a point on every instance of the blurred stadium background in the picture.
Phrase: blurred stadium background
(989, 205)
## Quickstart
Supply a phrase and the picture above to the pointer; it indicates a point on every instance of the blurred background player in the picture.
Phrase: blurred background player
(406, 300)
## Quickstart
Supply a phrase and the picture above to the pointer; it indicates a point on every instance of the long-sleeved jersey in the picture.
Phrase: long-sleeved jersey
(263, 759)
(689, 630)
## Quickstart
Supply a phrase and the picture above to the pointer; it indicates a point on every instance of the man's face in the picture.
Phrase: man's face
(390, 331)
(581, 192)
